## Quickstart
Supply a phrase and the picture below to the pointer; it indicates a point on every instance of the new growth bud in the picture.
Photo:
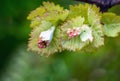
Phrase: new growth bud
(45, 37)
(73, 32)
(85, 33)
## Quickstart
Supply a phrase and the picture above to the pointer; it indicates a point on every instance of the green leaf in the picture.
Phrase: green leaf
(94, 19)
(112, 30)
(115, 9)
(36, 13)
(47, 7)
(75, 43)
(78, 10)
(93, 15)
(54, 45)
(54, 17)
(111, 24)
(89, 12)
(36, 22)
(49, 12)
(98, 36)
(50, 6)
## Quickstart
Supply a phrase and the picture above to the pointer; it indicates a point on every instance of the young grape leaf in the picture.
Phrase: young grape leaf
(111, 24)
(54, 44)
(92, 17)
(49, 12)
(74, 43)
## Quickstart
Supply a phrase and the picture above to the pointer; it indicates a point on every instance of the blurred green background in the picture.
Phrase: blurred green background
(17, 64)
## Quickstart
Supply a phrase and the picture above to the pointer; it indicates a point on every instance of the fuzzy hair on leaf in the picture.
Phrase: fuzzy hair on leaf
(94, 20)
(55, 42)
(92, 17)
(75, 43)
(49, 12)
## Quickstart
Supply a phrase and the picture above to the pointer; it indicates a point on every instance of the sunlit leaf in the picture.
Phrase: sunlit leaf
(54, 44)
(75, 43)
(111, 24)
(49, 12)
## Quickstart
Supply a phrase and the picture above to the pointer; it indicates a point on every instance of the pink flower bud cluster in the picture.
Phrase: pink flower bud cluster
(43, 43)
(73, 32)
